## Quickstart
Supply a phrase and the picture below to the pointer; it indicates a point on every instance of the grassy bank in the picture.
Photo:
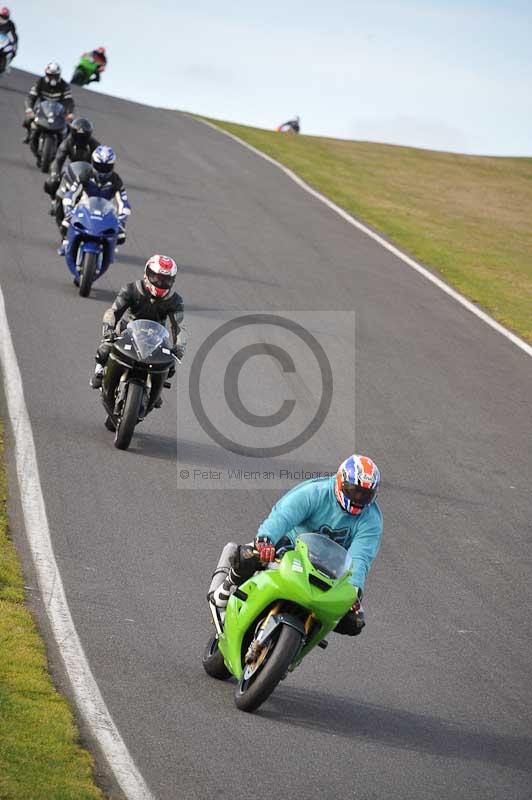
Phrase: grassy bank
(466, 217)
(40, 758)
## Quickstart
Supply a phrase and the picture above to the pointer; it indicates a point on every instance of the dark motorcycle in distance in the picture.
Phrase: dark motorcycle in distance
(47, 130)
(135, 375)
(75, 171)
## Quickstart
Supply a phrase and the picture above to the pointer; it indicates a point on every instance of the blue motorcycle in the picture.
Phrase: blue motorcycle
(91, 241)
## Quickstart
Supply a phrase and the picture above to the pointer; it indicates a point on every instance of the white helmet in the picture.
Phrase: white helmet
(52, 73)
(159, 275)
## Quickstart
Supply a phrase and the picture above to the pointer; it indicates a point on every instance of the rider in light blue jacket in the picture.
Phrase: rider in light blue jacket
(312, 506)
(342, 507)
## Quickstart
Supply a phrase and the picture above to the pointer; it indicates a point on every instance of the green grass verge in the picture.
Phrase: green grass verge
(469, 218)
(40, 757)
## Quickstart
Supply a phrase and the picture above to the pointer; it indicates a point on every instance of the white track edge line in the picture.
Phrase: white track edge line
(516, 340)
(87, 694)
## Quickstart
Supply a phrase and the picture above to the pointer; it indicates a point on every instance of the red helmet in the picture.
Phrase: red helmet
(159, 275)
(5, 13)
(100, 50)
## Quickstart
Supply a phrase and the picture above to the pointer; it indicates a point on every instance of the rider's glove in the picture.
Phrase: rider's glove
(265, 550)
(109, 333)
(179, 351)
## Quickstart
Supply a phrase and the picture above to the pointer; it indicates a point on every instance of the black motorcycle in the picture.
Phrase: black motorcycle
(47, 130)
(72, 173)
(135, 375)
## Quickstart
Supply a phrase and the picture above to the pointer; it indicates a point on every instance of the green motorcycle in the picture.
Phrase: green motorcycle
(86, 70)
(278, 616)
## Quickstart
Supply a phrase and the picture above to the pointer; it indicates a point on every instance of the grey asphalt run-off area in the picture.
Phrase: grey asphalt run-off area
(434, 699)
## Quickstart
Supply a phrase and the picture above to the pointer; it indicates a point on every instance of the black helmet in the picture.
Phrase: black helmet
(81, 129)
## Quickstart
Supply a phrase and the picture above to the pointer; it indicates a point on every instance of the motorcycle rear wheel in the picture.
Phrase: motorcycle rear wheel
(213, 661)
(126, 425)
(252, 692)
(48, 153)
(88, 270)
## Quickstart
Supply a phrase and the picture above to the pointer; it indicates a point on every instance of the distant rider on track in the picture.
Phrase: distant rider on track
(98, 57)
(7, 28)
(78, 145)
(150, 298)
(292, 126)
(341, 507)
(50, 87)
(102, 182)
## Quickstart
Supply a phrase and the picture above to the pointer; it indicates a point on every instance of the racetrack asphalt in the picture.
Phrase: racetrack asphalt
(435, 698)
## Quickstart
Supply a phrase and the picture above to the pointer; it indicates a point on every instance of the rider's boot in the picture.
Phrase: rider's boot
(222, 586)
(97, 379)
(237, 563)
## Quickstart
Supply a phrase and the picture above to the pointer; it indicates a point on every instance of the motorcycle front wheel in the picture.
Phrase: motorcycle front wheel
(126, 425)
(88, 271)
(257, 685)
(48, 153)
(213, 661)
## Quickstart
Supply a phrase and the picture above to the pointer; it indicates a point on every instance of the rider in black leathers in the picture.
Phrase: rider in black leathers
(50, 87)
(78, 145)
(150, 298)
(292, 126)
(7, 27)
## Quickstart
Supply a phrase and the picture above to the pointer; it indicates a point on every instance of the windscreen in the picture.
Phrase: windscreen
(51, 109)
(80, 169)
(147, 336)
(99, 206)
(325, 555)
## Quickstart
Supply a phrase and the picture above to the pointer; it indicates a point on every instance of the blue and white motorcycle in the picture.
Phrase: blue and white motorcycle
(91, 241)
(7, 51)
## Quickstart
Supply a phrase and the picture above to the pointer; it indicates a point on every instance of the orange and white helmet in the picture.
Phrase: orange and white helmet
(357, 481)
(159, 275)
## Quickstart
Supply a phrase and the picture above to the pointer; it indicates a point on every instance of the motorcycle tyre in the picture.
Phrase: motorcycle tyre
(126, 426)
(48, 153)
(88, 270)
(213, 661)
(271, 672)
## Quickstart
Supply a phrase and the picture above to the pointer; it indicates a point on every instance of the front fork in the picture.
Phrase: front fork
(120, 395)
(79, 258)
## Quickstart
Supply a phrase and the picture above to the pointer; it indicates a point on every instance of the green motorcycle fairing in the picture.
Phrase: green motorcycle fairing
(88, 66)
(328, 599)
